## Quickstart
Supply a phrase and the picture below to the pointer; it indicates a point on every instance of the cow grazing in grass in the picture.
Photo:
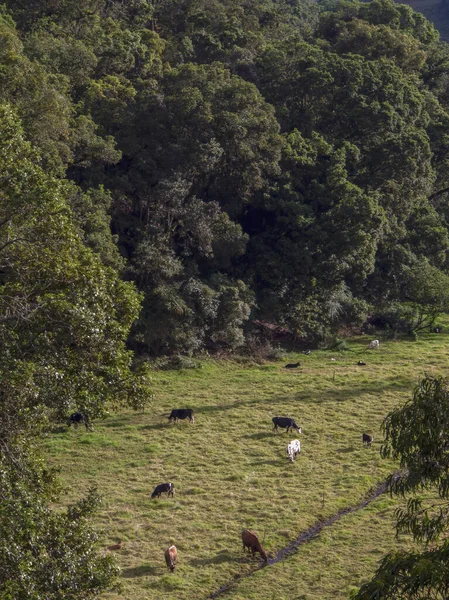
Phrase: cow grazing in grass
(77, 418)
(285, 422)
(181, 413)
(251, 541)
(117, 546)
(292, 365)
(367, 439)
(163, 487)
(361, 363)
(374, 345)
(293, 449)
(171, 557)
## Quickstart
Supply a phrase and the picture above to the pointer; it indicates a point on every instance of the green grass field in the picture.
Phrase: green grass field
(231, 471)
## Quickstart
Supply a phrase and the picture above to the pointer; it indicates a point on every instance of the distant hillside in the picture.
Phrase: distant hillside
(437, 11)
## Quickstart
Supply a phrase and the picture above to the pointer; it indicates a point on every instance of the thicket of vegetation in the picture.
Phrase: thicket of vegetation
(175, 171)
(255, 160)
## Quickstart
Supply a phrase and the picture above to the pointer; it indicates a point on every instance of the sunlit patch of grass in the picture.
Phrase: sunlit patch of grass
(231, 471)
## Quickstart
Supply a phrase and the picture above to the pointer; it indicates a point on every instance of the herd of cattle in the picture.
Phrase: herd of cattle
(250, 540)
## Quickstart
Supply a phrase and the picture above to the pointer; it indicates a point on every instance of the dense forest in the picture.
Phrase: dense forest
(242, 162)
(186, 175)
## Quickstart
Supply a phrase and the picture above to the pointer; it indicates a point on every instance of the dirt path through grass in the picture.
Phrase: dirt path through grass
(307, 536)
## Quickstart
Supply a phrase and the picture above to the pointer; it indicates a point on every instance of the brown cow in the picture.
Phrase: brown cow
(251, 541)
(116, 546)
(171, 557)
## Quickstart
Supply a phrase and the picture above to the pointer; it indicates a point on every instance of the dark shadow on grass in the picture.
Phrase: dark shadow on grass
(346, 450)
(59, 429)
(258, 436)
(222, 557)
(142, 571)
(156, 426)
(334, 393)
(269, 462)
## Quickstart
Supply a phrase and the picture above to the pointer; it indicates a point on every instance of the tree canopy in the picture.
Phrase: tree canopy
(219, 139)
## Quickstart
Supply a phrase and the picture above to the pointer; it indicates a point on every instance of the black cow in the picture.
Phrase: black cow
(181, 413)
(77, 418)
(292, 365)
(367, 439)
(163, 487)
(285, 422)
(361, 363)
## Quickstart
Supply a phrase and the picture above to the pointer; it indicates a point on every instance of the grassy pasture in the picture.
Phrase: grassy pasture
(231, 471)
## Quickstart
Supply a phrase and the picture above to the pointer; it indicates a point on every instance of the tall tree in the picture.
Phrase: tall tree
(64, 319)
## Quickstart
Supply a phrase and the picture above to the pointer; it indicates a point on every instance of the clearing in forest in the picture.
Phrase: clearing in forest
(231, 471)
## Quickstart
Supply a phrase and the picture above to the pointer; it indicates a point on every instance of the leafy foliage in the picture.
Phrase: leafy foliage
(45, 553)
(64, 318)
(293, 151)
(416, 435)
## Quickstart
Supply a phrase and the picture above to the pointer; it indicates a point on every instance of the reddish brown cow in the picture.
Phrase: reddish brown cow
(116, 546)
(251, 541)
(171, 557)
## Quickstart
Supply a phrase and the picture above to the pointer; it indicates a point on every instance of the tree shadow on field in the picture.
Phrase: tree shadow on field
(156, 426)
(258, 436)
(141, 571)
(222, 557)
(346, 450)
(59, 429)
(334, 393)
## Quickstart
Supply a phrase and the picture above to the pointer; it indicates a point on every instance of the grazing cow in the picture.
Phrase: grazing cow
(181, 413)
(367, 439)
(292, 365)
(293, 449)
(77, 418)
(375, 344)
(307, 352)
(116, 546)
(171, 557)
(163, 487)
(283, 422)
(361, 363)
(251, 541)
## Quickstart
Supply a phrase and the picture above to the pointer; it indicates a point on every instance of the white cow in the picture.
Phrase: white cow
(374, 344)
(293, 449)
